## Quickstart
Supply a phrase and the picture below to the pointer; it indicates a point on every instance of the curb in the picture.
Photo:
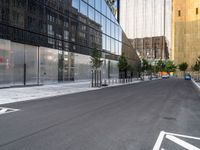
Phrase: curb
(196, 84)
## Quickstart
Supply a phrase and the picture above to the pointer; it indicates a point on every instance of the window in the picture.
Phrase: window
(97, 17)
(91, 2)
(103, 24)
(83, 8)
(50, 30)
(197, 11)
(75, 4)
(66, 35)
(179, 13)
(104, 7)
(108, 27)
(98, 5)
(91, 13)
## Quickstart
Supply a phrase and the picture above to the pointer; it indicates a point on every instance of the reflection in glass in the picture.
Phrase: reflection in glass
(31, 61)
(75, 4)
(48, 65)
(83, 8)
(5, 63)
(91, 13)
(18, 63)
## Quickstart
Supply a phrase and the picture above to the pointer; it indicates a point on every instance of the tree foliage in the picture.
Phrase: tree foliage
(123, 63)
(169, 66)
(96, 61)
(183, 66)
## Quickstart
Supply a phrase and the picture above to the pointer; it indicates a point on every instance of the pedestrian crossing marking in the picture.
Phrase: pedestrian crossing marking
(174, 138)
(4, 110)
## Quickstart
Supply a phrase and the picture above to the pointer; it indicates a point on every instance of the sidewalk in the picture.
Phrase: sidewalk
(11, 95)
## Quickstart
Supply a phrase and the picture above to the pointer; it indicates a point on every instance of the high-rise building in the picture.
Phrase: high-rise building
(143, 19)
(47, 41)
(186, 31)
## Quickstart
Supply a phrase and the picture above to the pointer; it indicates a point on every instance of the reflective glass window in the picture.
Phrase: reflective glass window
(112, 29)
(83, 8)
(97, 17)
(98, 5)
(91, 13)
(107, 43)
(91, 2)
(112, 45)
(108, 12)
(108, 27)
(103, 24)
(117, 47)
(104, 6)
(75, 4)
(104, 41)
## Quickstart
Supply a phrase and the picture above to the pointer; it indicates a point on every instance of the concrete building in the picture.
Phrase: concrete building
(143, 19)
(186, 31)
(50, 41)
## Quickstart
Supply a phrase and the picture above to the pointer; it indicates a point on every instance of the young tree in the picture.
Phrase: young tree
(170, 66)
(183, 67)
(96, 63)
(160, 66)
(196, 67)
(123, 66)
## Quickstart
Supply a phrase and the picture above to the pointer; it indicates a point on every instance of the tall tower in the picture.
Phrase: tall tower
(185, 31)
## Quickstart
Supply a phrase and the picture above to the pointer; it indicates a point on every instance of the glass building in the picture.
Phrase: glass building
(49, 41)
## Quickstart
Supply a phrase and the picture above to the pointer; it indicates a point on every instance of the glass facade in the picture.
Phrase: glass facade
(50, 40)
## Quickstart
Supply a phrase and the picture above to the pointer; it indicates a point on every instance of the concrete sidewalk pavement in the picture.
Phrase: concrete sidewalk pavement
(18, 94)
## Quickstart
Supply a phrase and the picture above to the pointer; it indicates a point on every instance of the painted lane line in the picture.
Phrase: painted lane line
(159, 141)
(4, 110)
(182, 143)
(184, 136)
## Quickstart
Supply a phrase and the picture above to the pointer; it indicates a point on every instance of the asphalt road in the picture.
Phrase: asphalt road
(127, 117)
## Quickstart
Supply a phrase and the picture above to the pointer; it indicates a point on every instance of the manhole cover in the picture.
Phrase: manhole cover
(4, 110)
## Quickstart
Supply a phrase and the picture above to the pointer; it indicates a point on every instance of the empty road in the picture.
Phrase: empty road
(128, 117)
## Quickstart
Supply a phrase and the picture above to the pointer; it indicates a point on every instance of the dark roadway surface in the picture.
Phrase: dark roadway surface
(127, 117)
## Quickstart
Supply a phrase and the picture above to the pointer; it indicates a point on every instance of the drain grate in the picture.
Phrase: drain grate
(4, 110)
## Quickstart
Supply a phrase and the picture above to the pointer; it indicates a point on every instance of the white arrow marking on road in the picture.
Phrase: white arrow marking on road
(159, 141)
(182, 143)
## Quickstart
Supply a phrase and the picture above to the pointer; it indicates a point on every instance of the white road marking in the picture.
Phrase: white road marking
(159, 141)
(162, 149)
(184, 136)
(4, 110)
(182, 143)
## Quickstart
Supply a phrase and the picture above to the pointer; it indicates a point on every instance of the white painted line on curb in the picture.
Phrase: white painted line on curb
(159, 141)
(182, 143)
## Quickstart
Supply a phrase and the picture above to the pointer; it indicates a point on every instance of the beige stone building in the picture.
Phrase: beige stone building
(185, 31)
